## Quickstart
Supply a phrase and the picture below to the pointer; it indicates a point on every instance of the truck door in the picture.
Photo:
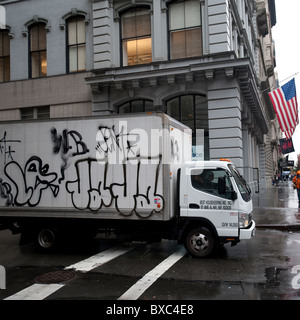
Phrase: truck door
(211, 196)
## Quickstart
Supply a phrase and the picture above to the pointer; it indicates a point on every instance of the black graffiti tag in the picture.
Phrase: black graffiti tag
(69, 144)
(6, 147)
(31, 181)
(94, 188)
(5, 192)
(111, 144)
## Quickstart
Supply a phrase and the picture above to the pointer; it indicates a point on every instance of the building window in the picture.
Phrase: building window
(136, 106)
(4, 56)
(185, 29)
(136, 37)
(76, 44)
(35, 113)
(192, 111)
(38, 51)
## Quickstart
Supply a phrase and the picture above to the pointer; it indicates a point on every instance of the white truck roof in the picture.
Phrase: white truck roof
(207, 164)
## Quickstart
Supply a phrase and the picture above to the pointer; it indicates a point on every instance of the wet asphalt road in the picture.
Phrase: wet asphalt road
(258, 269)
(266, 267)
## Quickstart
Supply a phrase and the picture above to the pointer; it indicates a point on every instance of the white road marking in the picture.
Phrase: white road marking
(98, 259)
(144, 283)
(37, 291)
(41, 291)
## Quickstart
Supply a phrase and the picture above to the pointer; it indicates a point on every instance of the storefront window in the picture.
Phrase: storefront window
(136, 106)
(192, 111)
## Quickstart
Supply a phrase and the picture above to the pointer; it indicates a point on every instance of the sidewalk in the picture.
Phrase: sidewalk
(277, 207)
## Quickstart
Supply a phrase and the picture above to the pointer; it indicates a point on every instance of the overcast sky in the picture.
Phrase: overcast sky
(286, 34)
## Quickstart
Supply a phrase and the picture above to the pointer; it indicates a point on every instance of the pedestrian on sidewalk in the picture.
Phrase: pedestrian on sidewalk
(296, 185)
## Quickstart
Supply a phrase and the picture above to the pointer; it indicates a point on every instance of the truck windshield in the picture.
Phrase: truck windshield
(243, 187)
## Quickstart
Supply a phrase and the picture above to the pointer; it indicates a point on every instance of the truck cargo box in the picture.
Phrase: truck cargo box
(114, 167)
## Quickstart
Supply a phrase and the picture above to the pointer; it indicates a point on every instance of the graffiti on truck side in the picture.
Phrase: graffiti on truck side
(5, 193)
(110, 172)
(95, 194)
(31, 181)
(62, 143)
(6, 147)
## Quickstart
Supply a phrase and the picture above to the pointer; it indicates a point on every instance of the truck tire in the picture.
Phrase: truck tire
(200, 242)
(46, 238)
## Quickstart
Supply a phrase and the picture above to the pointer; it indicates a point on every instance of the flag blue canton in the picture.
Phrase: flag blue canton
(289, 90)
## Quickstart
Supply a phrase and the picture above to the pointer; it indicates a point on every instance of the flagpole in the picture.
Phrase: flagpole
(289, 77)
(293, 75)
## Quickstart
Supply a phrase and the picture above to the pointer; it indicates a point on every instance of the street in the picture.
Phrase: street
(266, 267)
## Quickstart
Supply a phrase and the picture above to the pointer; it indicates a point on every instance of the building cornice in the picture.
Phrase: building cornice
(185, 71)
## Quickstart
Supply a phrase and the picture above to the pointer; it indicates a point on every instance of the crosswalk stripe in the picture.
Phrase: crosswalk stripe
(37, 291)
(144, 283)
(41, 291)
(99, 259)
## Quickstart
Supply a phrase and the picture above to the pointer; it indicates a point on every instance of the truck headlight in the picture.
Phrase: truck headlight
(244, 219)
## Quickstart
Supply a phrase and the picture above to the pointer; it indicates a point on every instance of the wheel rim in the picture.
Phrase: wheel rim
(199, 242)
(46, 238)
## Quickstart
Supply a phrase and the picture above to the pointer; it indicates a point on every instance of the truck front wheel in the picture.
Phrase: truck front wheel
(200, 242)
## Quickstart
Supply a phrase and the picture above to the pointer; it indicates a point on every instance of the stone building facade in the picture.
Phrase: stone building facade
(39, 82)
(207, 63)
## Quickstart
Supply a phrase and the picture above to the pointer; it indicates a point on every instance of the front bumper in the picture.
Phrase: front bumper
(249, 232)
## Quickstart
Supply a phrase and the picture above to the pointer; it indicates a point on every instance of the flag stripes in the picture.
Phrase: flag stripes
(284, 100)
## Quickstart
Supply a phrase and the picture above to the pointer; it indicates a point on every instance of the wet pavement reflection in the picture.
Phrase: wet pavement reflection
(277, 205)
(281, 196)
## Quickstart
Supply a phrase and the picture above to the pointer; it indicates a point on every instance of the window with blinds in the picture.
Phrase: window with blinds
(185, 29)
(38, 51)
(4, 56)
(76, 44)
(136, 37)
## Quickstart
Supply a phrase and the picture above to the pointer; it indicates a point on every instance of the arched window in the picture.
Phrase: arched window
(133, 106)
(185, 29)
(38, 50)
(76, 44)
(192, 111)
(4, 56)
(136, 37)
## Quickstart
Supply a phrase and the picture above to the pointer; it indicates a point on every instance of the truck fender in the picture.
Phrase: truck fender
(190, 224)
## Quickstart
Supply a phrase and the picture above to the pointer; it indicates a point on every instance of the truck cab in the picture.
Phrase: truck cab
(215, 206)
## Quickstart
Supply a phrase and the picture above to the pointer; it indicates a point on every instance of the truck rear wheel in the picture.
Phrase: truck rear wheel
(46, 238)
(200, 242)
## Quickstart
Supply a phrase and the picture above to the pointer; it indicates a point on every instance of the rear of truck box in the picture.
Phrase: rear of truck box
(115, 167)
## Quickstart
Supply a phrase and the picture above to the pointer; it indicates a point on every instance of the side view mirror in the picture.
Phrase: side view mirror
(222, 188)
(233, 195)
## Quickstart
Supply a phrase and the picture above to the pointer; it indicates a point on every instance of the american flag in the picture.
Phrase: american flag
(284, 100)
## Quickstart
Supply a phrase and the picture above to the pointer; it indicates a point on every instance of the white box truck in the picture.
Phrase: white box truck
(131, 175)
